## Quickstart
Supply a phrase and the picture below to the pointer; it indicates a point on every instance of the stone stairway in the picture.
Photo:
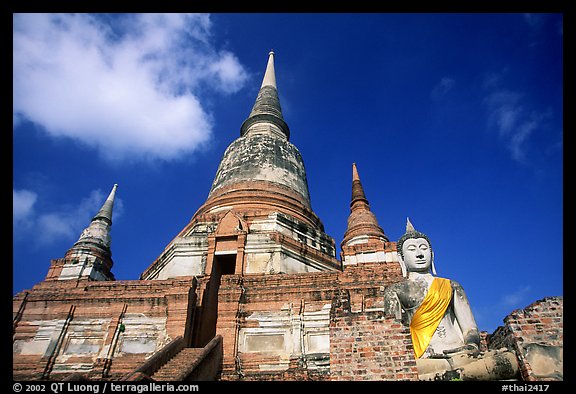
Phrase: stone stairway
(178, 364)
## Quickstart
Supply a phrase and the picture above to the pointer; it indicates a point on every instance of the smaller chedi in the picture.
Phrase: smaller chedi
(444, 333)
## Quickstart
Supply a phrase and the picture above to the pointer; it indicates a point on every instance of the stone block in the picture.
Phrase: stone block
(546, 361)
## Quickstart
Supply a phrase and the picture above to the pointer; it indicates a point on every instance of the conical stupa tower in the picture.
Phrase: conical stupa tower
(258, 216)
(364, 240)
(90, 257)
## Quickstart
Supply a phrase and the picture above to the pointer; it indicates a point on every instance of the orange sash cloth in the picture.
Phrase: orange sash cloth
(428, 315)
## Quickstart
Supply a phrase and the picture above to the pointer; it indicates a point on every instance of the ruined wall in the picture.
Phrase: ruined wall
(279, 327)
(536, 334)
(368, 345)
(103, 329)
(275, 327)
(310, 326)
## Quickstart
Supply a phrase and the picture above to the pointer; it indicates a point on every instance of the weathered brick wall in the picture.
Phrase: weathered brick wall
(368, 345)
(501, 338)
(297, 307)
(104, 329)
(366, 283)
(262, 306)
(323, 325)
(536, 334)
(230, 296)
(540, 322)
(294, 311)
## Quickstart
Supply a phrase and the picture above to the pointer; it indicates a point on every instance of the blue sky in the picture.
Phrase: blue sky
(454, 120)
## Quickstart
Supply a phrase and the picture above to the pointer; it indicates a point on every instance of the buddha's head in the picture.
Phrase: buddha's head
(415, 251)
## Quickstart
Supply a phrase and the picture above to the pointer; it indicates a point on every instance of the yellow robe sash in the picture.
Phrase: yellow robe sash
(428, 315)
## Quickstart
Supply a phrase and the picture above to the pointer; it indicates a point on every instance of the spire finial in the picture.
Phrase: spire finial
(106, 210)
(267, 106)
(358, 195)
(355, 176)
(270, 74)
(361, 221)
(409, 227)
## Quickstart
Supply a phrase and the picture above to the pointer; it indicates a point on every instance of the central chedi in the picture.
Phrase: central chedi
(263, 162)
(258, 216)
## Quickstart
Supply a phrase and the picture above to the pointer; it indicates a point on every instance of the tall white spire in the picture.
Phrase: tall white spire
(270, 74)
(91, 257)
(266, 109)
(106, 210)
(99, 229)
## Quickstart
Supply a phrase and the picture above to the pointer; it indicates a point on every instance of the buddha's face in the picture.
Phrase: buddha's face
(417, 255)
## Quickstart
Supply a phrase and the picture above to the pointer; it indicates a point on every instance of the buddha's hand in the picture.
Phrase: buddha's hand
(469, 348)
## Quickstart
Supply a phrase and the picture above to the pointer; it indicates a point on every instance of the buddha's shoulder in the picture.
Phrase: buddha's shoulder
(401, 287)
(456, 286)
(398, 285)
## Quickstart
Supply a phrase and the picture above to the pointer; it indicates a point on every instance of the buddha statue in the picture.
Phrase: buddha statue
(444, 333)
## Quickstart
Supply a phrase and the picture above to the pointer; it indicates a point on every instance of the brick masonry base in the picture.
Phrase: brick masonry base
(368, 345)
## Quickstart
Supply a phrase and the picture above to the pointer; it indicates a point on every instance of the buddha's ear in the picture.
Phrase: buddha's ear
(432, 265)
(402, 265)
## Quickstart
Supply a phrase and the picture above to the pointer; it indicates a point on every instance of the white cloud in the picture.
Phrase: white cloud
(54, 226)
(128, 88)
(514, 299)
(505, 110)
(229, 73)
(22, 204)
(63, 223)
(444, 86)
(520, 137)
(514, 123)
